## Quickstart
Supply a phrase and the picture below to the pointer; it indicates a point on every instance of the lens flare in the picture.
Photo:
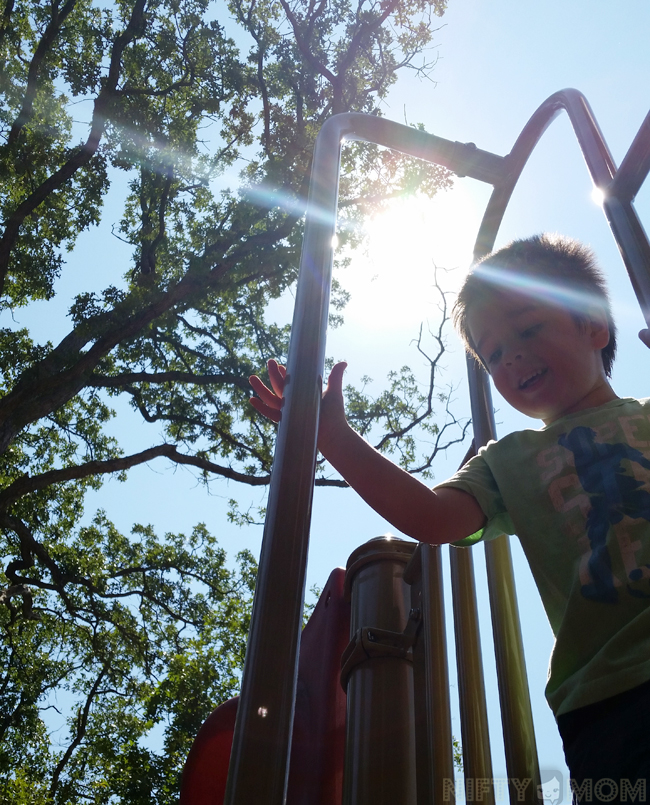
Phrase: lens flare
(550, 290)
(270, 198)
(144, 147)
(598, 196)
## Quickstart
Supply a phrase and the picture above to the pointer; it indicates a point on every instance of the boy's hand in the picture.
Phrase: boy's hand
(644, 335)
(332, 410)
(269, 400)
(439, 515)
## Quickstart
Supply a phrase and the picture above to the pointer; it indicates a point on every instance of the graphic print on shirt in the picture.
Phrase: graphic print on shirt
(612, 494)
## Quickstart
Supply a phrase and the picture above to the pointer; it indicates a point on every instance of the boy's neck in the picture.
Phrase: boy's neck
(598, 395)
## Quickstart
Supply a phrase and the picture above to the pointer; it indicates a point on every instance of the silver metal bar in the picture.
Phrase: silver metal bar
(635, 165)
(259, 762)
(621, 216)
(262, 741)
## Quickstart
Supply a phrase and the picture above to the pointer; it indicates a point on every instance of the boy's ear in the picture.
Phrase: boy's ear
(599, 330)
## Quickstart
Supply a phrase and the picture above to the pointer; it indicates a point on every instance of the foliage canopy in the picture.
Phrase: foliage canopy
(130, 634)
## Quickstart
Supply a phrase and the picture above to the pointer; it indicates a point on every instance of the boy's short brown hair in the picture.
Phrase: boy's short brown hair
(552, 266)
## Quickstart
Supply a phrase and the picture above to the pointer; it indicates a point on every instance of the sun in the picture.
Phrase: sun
(392, 280)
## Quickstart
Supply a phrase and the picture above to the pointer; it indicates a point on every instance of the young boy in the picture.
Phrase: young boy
(537, 316)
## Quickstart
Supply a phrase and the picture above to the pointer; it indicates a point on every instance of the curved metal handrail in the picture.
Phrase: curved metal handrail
(259, 764)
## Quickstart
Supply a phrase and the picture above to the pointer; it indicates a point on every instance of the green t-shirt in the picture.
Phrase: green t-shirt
(577, 494)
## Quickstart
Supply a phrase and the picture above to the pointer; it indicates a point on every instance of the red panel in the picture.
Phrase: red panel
(318, 745)
(206, 767)
(318, 748)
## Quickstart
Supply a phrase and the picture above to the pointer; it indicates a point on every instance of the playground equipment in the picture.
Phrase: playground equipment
(261, 747)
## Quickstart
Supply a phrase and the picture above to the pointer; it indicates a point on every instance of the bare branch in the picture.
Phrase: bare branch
(26, 484)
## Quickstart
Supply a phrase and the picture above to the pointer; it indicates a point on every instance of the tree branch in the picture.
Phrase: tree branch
(28, 484)
(128, 378)
(304, 47)
(6, 18)
(80, 156)
(82, 723)
(54, 26)
(53, 381)
(22, 591)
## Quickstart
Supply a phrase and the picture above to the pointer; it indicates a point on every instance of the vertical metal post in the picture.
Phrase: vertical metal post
(514, 696)
(633, 244)
(261, 745)
(262, 740)
(477, 761)
(433, 737)
(380, 750)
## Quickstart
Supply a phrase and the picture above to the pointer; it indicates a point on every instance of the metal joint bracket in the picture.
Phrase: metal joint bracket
(370, 642)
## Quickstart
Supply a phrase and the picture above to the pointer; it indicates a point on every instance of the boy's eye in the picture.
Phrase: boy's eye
(530, 331)
(495, 356)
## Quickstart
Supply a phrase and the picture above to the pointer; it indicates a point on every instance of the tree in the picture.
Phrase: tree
(149, 633)
(140, 631)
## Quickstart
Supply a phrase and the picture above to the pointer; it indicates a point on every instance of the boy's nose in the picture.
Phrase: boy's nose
(512, 356)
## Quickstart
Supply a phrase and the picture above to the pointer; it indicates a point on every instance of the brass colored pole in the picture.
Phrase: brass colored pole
(433, 738)
(477, 762)
(514, 697)
(380, 751)
(516, 713)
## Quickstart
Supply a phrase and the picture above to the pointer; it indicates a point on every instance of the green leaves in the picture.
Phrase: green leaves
(118, 645)
(145, 637)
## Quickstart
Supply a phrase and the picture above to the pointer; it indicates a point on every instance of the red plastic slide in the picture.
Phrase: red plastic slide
(318, 744)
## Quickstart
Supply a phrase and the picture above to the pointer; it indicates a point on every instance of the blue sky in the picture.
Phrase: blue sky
(497, 62)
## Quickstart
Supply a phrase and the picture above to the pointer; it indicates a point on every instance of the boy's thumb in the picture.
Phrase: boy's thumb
(335, 380)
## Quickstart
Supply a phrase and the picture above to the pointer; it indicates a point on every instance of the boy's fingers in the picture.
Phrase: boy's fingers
(270, 413)
(264, 393)
(335, 380)
(277, 374)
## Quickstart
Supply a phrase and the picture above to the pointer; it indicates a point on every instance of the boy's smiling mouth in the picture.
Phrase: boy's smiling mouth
(530, 379)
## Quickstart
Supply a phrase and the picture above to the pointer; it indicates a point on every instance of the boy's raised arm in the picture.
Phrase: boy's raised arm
(428, 515)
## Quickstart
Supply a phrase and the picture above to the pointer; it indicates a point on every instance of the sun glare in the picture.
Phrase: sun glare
(598, 196)
(391, 281)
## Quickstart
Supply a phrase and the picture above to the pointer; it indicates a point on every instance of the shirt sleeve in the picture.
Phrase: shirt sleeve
(477, 479)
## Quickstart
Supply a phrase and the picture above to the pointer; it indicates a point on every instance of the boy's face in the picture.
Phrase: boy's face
(542, 362)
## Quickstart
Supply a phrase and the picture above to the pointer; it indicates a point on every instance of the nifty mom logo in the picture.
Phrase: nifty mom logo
(553, 789)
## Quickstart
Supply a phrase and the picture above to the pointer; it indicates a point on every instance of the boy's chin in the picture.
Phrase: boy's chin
(530, 408)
